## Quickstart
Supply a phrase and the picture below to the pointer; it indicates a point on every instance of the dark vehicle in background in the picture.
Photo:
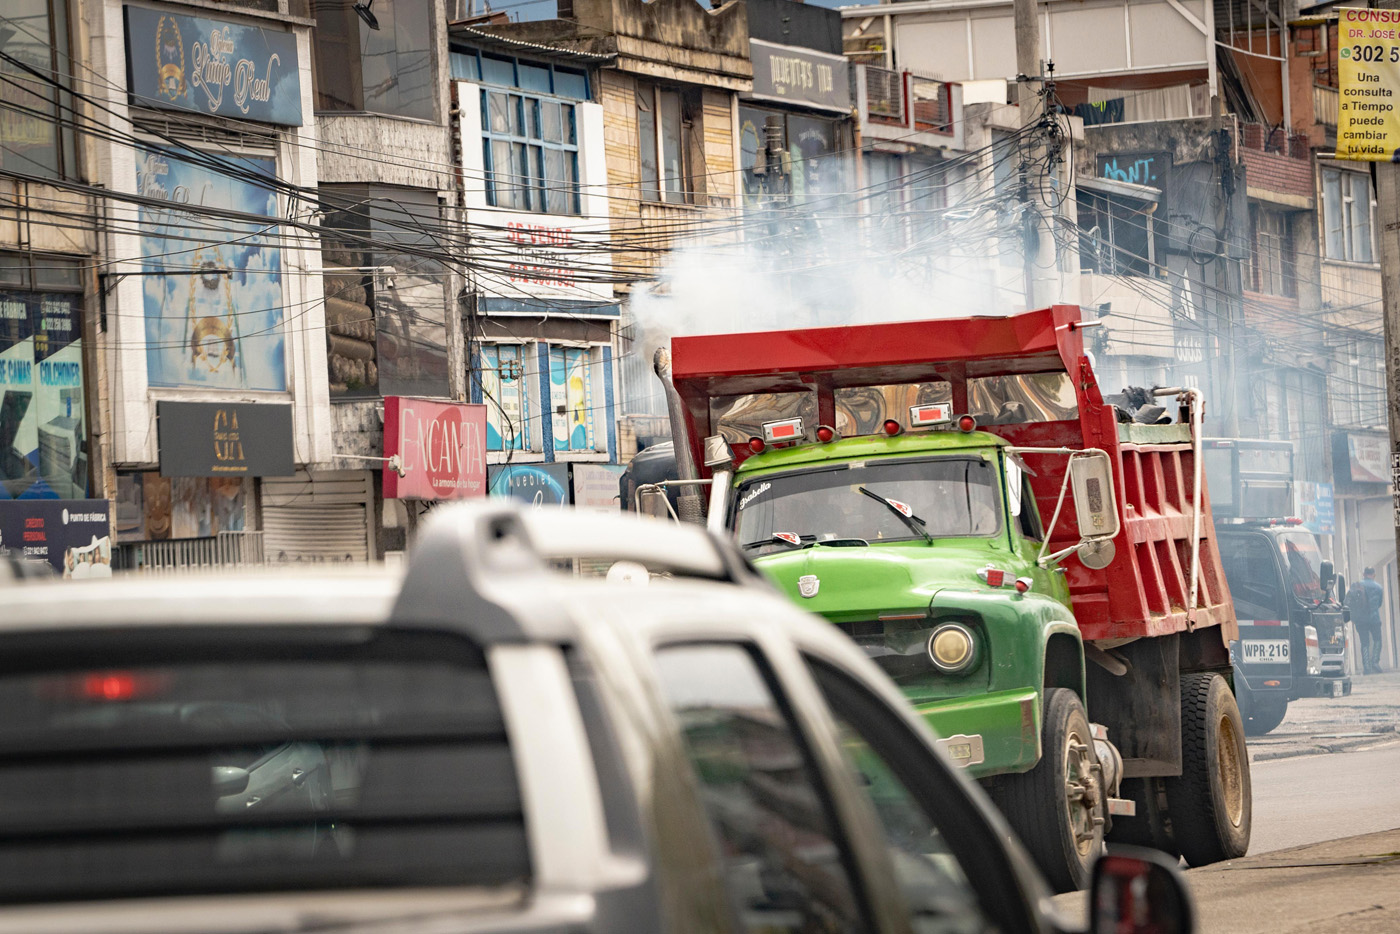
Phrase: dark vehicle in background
(1293, 634)
(490, 743)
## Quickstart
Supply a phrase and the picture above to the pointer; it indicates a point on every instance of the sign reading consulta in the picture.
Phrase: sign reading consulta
(1368, 70)
(440, 446)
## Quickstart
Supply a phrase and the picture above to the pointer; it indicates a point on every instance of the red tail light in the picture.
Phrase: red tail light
(892, 427)
(756, 445)
(826, 434)
(110, 686)
(967, 423)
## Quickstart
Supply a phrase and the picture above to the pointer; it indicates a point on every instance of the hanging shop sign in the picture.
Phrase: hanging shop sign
(72, 535)
(439, 446)
(43, 435)
(213, 307)
(598, 486)
(1368, 75)
(225, 439)
(536, 484)
(212, 66)
(1368, 456)
(800, 76)
(1316, 507)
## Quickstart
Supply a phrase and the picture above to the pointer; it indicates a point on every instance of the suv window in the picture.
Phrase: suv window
(936, 851)
(786, 869)
(204, 760)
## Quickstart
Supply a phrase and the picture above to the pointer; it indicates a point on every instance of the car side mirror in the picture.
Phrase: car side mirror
(1095, 502)
(1327, 576)
(1139, 891)
(229, 780)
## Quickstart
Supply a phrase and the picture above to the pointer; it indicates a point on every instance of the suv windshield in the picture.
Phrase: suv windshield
(1304, 563)
(191, 761)
(950, 496)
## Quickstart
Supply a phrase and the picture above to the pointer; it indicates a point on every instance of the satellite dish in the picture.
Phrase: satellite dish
(628, 572)
(1097, 555)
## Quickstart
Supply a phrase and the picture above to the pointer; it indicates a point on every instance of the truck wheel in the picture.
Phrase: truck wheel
(1057, 807)
(1264, 714)
(1210, 802)
(1150, 827)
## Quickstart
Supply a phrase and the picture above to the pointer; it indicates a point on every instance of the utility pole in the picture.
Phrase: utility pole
(1042, 273)
(1388, 211)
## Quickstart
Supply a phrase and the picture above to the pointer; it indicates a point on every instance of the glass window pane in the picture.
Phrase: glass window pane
(1332, 214)
(784, 864)
(534, 78)
(672, 154)
(1361, 217)
(537, 178)
(569, 84)
(14, 269)
(646, 144)
(497, 70)
(56, 274)
(466, 66)
(517, 116)
(556, 181)
(498, 112)
(551, 126)
(504, 183)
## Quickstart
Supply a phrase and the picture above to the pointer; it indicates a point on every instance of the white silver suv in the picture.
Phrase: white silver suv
(551, 722)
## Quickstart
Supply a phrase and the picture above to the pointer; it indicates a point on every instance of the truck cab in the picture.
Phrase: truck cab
(1292, 628)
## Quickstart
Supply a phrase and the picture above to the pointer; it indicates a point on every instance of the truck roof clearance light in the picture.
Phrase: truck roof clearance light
(995, 577)
(967, 423)
(951, 648)
(891, 427)
(1292, 520)
(783, 430)
(826, 434)
(930, 415)
(756, 446)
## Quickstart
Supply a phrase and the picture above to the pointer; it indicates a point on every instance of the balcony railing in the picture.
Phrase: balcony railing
(906, 99)
(1325, 105)
(1262, 138)
(884, 93)
(932, 108)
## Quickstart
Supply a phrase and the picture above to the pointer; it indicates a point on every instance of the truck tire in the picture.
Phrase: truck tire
(1209, 803)
(1265, 713)
(1150, 827)
(1057, 807)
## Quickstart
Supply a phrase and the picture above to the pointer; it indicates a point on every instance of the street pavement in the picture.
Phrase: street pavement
(1325, 852)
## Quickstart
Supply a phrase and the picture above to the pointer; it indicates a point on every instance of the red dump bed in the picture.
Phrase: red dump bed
(1145, 589)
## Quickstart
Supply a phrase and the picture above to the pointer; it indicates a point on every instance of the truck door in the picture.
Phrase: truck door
(1256, 583)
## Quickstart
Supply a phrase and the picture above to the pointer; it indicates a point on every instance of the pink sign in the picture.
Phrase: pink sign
(441, 447)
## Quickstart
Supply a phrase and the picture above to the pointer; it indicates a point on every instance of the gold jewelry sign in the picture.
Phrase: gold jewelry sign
(1368, 70)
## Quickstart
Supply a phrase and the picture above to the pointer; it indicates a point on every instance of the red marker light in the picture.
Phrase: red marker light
(756, 445)
(1023, 584)
(826, 434)
(1271, 684)
(892, 427)
(995, 577)
(1293, 520)
(110, 686)
(967, 423)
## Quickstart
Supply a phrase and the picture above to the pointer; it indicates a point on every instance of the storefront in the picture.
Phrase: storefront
(1365, 522)
(806, 95)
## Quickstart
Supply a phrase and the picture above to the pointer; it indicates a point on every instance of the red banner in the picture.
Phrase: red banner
(441, 448)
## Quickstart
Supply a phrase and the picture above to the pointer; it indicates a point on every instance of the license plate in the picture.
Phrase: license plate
(1264, 651)
(1336, 689)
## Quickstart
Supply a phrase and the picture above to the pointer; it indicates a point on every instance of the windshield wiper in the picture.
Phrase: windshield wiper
(902, 510)
(792, 539)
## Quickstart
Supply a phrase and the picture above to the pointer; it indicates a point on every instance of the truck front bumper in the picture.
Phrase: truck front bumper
(988, 734)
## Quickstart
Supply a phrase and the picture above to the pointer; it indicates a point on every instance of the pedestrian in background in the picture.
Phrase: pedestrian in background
(1368, 624)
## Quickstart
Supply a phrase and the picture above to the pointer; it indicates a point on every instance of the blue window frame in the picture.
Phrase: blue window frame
(541, 77)
(530, 149)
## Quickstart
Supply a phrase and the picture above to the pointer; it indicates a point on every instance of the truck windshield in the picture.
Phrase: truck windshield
(953, 496)
(1304, 563)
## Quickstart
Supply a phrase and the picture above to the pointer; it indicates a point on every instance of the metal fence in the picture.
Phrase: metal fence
(884, 93)
(225, 550)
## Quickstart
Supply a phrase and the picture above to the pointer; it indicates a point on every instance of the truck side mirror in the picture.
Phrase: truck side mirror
(1341, 590)
(1327, 576)
(652, 501)
(1137, 891)
(1095, 502)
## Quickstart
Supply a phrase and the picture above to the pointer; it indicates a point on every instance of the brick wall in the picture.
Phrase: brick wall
(1272, 171)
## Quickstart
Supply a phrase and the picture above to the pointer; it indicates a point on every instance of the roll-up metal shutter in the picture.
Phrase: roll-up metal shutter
(315, 517)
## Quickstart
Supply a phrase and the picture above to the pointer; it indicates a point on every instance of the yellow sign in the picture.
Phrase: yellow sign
(1368, 51)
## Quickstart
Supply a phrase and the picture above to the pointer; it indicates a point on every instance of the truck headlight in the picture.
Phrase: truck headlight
(951, 648)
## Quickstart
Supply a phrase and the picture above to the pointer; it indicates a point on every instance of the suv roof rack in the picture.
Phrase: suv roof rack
(498, 552)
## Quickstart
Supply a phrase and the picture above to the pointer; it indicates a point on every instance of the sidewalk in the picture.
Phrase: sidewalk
(1319, 725)
(1350, 886)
